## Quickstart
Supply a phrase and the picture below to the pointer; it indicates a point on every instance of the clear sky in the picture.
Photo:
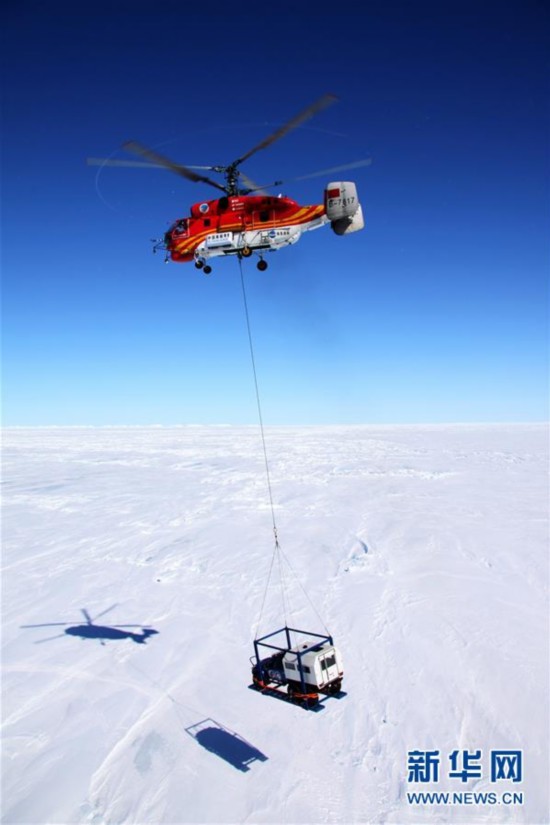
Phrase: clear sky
(436, 312)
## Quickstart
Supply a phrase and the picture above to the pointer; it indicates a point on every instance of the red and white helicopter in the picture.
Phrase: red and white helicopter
(240, 222)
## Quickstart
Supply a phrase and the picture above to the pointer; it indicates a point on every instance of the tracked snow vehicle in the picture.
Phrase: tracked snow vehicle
(298, 672)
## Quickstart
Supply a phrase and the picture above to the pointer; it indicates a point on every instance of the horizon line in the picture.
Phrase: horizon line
(152, 425)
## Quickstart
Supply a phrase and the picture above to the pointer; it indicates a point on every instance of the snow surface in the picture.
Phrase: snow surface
(423, 549)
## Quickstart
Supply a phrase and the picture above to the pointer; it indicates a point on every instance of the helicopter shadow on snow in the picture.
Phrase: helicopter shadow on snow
(101, 633)
(226, 744)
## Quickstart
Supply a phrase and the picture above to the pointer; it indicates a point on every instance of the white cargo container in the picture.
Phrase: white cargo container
(321, 666)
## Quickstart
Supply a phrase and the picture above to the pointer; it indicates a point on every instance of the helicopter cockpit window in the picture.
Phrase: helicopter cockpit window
(180, 227)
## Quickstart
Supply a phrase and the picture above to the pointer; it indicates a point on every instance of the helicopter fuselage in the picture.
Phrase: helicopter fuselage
(97, 631)
(229, 225)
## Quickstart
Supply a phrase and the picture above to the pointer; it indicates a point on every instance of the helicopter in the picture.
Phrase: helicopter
(245, 219)
(90, 630)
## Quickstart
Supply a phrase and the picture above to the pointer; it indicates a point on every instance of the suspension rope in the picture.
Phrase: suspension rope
(276, 549)
(304, 591)
(260, 417)
(278, 554)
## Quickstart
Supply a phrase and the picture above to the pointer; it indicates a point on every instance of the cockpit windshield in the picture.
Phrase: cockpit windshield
(180, 227)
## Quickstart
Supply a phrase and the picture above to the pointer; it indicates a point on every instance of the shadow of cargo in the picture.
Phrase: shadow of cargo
(226, 744)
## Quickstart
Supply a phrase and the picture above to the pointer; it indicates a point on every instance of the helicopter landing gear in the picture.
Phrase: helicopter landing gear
(200, 263)
(262, 265)
(246, 252)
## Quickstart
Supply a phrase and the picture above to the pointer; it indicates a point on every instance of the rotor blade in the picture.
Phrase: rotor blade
(49, 639)
(112, 607)
(161, 160)
(135, 164)
(357, 164)
(86, 615)
(249, 183)
(47, 624)
(131, 625)
(297, 120)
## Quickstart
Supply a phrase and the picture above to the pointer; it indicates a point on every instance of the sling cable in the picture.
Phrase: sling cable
(296, 672)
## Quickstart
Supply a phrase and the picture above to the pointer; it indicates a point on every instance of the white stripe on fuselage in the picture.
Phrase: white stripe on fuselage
(226, 243)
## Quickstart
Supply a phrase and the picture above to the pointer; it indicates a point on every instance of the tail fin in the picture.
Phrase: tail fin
(343, 208)
(145, 633)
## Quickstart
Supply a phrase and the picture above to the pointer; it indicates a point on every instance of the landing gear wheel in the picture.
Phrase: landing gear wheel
(246, 252)
(199, 264)
(262, 265)
(207, 269)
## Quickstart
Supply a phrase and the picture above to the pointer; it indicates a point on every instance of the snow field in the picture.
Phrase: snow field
(423, 549)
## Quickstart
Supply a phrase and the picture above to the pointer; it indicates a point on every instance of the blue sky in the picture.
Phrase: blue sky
(436, 312)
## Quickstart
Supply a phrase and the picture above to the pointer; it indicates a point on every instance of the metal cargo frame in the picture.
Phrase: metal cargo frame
(287, 631)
